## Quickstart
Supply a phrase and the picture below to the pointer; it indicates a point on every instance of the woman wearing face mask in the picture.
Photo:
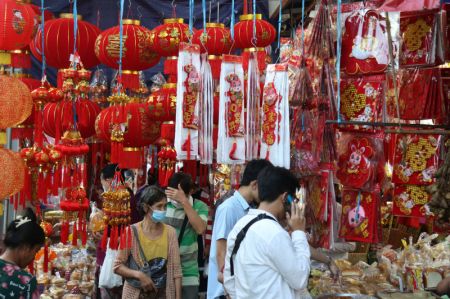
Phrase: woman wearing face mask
(156, 244)
(23, 239)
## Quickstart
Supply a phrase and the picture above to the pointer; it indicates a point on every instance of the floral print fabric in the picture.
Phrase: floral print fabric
(16, 283)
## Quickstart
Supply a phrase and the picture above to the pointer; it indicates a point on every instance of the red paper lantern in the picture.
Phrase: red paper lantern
(162, 104)
(62, 114)
(167, 134)
(216, 40)
(12, 174)
(103, 124)
(243, 32)
(17, 24)
(137, 54)
(59, 42)
(25, 129)
(15, 102)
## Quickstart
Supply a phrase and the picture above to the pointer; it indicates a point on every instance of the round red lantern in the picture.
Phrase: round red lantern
(136, 55)
(167, 133)
(62, 114)
(103, 124)
(15, 102)
(215, 40)
(12, 174)
(17, 24)
(25, 129)
(243, 32)
(162, 104)
(59, 42)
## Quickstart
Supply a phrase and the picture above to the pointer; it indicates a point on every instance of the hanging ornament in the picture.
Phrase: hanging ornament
(167, 158)
(162, 104)
(63, 44)
(137, 53)
(206, 113)
(253, 105)
(15, 102)
(165, 40)
(188, 90)
(231, 147)
(75, 206)
(243, 32)
(18, 24)
(12, 174)
(275, 135)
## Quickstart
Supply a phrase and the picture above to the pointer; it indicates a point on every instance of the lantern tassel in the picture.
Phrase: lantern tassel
(56, 180)
(64, 232)
(42, 187)
(46, 257)
(84, 234)
(187, 145)
(104, 239)
(75, 234)
(215, 67)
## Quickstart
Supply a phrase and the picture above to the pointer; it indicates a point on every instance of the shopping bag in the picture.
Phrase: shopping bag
(108, 279)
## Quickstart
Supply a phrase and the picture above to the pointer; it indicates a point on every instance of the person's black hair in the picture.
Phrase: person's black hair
(253, 168)
(151, 178)
(182, 179)
(149, 196)
(274, 181)
(109, 171)
(24, 231)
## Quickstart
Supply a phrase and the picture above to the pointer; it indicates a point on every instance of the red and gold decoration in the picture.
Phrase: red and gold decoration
(116, 207)
(188, 88)
(410, 200)
(167, 157)
(137, 53)
(15, 102)
(364, 43)
(243, 32)
(47, 227)
(75, 206)
(162, 104)
(231, 148)
(12, 174)
(18, 25)
(165, 41)
(216, 41)
(59, 40)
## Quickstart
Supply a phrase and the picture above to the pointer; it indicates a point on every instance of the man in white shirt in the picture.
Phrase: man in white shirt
(269, 263)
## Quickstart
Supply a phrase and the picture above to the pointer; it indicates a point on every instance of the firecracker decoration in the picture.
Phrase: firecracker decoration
(167, 158)
(188, 88)
(75, 206)
(320, 42)
(364, 43)
(275, 134)
(18, 24)
(12, 175)
(361, 100)
(360, 214)
(440, 191)
(422, 38)
(63, 44)
(215, 40)
(137, 53)
(416, 159)
(231, 144)
(116, 206)
(166, 39)
(47, 227)
(410, 201)
(355, 168)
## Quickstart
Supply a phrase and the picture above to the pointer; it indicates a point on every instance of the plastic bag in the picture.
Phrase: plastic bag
(108, 279)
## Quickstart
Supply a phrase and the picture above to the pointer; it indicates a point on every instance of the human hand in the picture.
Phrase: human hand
(177, 194)
(296, 220)
(146, 283)
(220, 277)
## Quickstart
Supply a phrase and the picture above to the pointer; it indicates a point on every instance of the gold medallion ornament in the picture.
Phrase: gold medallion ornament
(352, 102)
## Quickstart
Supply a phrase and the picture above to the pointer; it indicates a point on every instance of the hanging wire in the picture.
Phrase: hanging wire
(119, 75)
(232, 20)
(43, 38)
(338, 59)
(204, 15)
(279, 25)
(75, 29)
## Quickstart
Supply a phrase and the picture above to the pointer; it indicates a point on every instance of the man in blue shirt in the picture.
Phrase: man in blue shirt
(227, 214)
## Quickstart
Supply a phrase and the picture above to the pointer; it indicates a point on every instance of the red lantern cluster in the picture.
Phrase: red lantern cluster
(137, 54)
(59, 42)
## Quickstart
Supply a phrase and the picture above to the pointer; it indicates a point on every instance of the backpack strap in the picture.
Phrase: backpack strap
(141, 251)
(183, 226)
(241, 235)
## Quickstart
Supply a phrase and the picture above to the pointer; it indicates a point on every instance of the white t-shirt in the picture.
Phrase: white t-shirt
(269, 263)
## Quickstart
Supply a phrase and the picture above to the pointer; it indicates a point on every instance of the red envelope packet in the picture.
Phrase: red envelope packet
(409, 200)
(416, 159)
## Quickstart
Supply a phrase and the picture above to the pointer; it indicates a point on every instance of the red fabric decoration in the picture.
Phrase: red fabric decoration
(166, 38)
(162, 104)
(55, 42)
(215, 40)
(364, 43)
(410, 200)
(243, 32)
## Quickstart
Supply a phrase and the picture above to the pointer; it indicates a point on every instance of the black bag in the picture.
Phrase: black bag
(156, 269)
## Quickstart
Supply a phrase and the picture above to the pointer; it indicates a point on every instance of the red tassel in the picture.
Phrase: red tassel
(84, 234)
(123, 238)
(64, 232)
(130, 80)
(75, 178)
(38, 132)
(27, 186)
(187, 146)
(66, 177)
(170, 66)
(75, 234)
(215, 67)
(42, 188)
(31, 267)
(48, 180)
(45, 257)
(56, 180)
(67, 116)
(130, 238)
(104, 239)
(60, 79)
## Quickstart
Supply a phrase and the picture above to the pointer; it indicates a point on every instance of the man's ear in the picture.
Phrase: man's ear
(254, 184)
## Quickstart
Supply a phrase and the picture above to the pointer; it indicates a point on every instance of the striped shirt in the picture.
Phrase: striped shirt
(189, 245)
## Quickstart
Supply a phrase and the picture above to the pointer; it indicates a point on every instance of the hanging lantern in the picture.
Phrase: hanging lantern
(18, 23)
(59, 116)
(103, 124)
(165, 41)
(12, 174)
(137, 54)
(215, 40)
(167, 134)
(15, 102)
(59, 42)
(243, 32)
(162, 104)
